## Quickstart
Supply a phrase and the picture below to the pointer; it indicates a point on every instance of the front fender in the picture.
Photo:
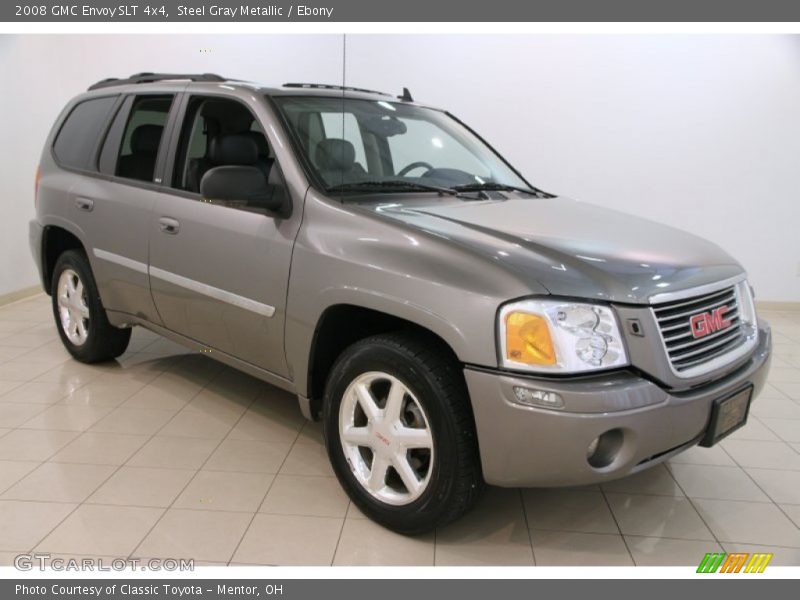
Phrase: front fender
(344, 256)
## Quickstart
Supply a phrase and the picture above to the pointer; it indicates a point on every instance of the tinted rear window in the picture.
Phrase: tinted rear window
(79, 134)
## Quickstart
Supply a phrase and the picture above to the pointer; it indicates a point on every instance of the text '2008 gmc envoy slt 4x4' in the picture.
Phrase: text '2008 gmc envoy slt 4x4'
(451, 324)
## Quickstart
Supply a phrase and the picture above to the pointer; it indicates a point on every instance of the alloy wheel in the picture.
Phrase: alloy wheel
(386, 437)
(73, 311)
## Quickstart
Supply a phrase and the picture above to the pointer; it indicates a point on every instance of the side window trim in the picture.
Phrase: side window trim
(174, 123)
(168, 139)
(95, 156)
(296, 145)
(122, 112)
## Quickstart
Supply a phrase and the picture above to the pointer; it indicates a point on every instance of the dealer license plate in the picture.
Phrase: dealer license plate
(727, 415)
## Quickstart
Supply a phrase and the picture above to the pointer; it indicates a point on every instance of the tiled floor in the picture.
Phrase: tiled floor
(168, 454)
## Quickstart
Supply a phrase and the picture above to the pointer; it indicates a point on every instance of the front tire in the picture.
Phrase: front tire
(400, 434)
(80, 317)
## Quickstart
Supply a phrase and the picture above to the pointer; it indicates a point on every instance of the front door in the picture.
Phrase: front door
(219, 271)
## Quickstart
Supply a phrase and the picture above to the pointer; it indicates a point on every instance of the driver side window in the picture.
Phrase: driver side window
(221, 136)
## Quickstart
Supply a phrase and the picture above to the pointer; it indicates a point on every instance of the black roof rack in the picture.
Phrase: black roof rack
(326, 86)
(153, 77)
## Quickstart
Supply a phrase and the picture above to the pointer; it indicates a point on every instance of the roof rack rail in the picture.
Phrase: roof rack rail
(326, 86)
(153, 77)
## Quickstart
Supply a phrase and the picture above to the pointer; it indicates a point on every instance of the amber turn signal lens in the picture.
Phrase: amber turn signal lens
(528, 339)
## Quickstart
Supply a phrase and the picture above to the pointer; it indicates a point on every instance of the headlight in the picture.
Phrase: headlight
(557, 336)
(747, 310)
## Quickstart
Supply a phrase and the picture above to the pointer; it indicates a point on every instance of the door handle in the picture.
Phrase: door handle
(169, 225)
(86, 204)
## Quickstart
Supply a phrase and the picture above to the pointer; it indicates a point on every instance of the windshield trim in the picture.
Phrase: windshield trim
(297, 147)
(321, 186)
(491, 148)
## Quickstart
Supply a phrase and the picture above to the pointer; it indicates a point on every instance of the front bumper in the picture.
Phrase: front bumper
(531, 447)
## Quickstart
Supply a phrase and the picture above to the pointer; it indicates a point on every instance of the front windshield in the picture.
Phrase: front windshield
(391, 146)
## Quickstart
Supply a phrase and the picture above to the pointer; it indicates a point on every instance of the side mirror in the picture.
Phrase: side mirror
(245, 184)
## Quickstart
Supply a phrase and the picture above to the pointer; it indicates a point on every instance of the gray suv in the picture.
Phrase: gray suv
(451, 324)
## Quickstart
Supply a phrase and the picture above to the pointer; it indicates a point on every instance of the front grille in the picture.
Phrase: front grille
(683, 349)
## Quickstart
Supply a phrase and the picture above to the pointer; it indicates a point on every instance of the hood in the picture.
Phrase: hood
(571, 248)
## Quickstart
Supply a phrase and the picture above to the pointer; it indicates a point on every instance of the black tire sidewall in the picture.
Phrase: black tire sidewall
(423, 512)
(77, 261)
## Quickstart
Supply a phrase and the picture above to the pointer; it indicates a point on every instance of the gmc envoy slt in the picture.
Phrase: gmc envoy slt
(451, 324)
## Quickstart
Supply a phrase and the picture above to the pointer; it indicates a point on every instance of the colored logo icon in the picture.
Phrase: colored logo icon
(737, 562)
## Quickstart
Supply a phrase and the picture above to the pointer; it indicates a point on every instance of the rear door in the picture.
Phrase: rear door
(114, 208)
(219, 271)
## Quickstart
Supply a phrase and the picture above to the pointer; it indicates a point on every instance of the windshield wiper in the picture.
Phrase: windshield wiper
(499, 187)
(395, 184)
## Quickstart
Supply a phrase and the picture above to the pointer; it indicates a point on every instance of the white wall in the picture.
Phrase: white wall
(40, 73)
(701, 132)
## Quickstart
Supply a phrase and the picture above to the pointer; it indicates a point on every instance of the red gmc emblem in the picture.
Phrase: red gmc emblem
(708, 322)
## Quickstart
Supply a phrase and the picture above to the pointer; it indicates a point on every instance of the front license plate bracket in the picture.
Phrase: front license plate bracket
(728, 414)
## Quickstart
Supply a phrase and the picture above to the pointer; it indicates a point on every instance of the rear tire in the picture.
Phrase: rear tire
(409, 460)
(80, 317)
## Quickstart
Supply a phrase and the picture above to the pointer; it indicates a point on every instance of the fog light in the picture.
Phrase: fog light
(592, 447)
(539, 398)
(604, 449)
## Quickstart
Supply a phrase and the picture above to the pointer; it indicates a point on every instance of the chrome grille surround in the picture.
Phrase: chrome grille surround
(691, 357)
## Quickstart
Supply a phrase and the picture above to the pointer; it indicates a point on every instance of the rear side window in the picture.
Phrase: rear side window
(78, 136)
(142, 137)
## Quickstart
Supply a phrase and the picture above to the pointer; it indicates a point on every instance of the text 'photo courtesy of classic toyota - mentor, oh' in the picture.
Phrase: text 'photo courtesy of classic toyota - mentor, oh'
(451, 324)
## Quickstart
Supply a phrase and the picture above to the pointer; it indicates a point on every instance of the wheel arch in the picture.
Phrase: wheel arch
(340, 326)
(55, 241)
